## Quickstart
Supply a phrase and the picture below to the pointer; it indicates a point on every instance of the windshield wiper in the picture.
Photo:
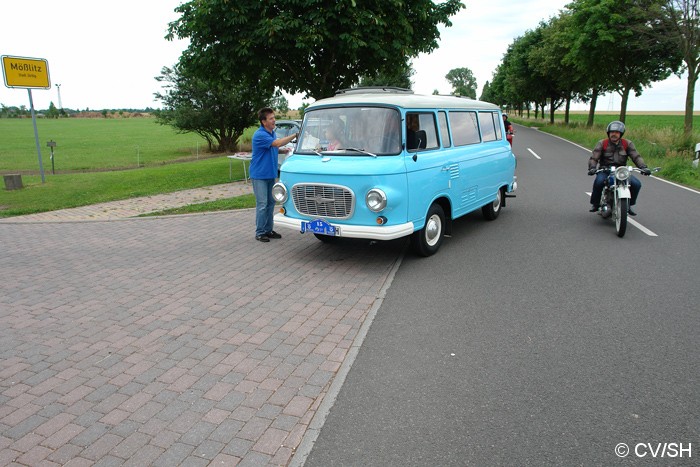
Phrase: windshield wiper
(361, 151)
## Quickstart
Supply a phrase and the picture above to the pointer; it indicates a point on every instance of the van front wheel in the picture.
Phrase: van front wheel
(427, 240)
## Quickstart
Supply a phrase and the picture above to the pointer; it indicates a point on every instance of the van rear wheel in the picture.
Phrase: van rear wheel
(492, 210)
(427, 240)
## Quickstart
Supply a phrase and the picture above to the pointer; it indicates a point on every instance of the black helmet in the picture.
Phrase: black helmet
(616, 126)
(505, 114)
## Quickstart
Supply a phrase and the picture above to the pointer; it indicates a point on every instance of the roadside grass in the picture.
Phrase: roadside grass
(73, 190)
(238, 202)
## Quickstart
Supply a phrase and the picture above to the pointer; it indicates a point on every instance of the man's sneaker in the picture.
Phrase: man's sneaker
(273, 234)
(262, 238)
(630, 211)
(594, 208)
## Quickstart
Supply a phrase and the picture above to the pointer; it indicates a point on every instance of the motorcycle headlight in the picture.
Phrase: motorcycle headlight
(279, 192)
(622, 173)
(375, 200)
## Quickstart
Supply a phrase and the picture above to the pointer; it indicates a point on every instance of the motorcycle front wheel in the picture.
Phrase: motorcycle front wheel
(621, 206)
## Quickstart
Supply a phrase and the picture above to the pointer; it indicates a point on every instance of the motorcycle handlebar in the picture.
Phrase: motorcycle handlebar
(633, 169)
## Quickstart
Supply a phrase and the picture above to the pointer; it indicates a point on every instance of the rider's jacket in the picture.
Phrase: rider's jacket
(614, 154)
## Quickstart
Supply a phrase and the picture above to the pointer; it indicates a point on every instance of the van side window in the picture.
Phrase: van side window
(497, 121)
(421, 132)
(488, 127)
(444, 131)
(464, 128)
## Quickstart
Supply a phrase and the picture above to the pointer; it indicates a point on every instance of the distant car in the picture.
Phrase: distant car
(283, 129)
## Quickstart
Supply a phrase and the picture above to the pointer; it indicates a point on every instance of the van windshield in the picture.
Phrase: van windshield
(373, 130)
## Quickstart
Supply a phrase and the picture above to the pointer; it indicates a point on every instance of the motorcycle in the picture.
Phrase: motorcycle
(614, 201)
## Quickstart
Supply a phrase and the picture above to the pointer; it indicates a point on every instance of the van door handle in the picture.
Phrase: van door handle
(445, 168)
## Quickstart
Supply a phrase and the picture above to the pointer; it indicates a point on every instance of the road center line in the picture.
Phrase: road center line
(533, 153)
(634, 223)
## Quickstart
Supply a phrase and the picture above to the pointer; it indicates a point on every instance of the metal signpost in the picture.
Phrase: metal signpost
(28, 73)
(52, 144)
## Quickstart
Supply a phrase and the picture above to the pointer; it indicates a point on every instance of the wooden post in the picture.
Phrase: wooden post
(13, 181)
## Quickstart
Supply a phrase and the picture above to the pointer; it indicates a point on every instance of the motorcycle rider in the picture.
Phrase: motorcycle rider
(614, 152)
(510, 129)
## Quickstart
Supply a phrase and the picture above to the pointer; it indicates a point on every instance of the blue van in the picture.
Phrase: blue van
(385, 163)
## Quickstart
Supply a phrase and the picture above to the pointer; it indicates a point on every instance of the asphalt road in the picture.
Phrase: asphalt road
(540, 338)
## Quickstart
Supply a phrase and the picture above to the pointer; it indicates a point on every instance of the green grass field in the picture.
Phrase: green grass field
(96, 159)
(633, 120)
(94, 144)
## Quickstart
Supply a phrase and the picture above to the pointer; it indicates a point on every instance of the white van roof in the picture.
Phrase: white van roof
(401, 98)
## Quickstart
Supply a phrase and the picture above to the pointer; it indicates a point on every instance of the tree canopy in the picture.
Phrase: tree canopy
(592, 47)
(462, 81)
(217, 109)
(684, 18)
(309, 46)
(400, 77)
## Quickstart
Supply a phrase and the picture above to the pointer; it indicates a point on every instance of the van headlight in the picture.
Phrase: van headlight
(279, 192)
(375, 200)
(622, 173)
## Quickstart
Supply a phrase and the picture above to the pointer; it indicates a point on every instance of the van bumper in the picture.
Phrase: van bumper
(387, 232)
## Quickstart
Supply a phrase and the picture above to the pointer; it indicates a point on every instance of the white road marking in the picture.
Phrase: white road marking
(674, 184)
(634, 223)
(533, 153)
(641, 227)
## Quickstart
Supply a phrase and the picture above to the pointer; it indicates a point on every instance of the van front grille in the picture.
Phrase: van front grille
(327, 201)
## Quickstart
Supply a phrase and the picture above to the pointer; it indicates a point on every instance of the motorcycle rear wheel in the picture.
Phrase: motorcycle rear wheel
(621, 207)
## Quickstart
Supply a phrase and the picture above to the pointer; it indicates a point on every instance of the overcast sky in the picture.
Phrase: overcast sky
(107, 54)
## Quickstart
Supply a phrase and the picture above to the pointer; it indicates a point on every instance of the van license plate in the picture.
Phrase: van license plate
(320, 226)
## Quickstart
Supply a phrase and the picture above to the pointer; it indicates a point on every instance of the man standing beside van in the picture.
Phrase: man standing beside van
(263, 172)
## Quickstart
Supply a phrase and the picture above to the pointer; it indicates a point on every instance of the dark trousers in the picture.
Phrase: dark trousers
(599, 182)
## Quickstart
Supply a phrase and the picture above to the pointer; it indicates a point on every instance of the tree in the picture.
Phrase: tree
(214, 107)
(623, 46)
(308, 46)
(548, 57)
(280, 103)
(52, 112)
(685, 21)
(517, 82)
(400, 77)
(462, 81)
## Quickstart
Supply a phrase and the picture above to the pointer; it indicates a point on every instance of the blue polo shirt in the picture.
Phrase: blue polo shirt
(263, 164)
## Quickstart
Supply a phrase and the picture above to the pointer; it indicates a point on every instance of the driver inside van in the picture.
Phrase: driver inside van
(333, 133)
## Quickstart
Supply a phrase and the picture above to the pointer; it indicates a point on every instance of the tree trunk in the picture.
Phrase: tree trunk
(551, 111)
(690, 100)
(623, 105)
(591, 109)
(567, 109)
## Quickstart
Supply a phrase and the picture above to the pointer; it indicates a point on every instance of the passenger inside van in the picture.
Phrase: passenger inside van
(415, 138)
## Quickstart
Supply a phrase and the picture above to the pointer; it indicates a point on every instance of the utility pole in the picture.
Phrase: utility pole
(60, 106)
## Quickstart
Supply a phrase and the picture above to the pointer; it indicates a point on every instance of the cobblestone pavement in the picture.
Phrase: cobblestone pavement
(173, 340)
